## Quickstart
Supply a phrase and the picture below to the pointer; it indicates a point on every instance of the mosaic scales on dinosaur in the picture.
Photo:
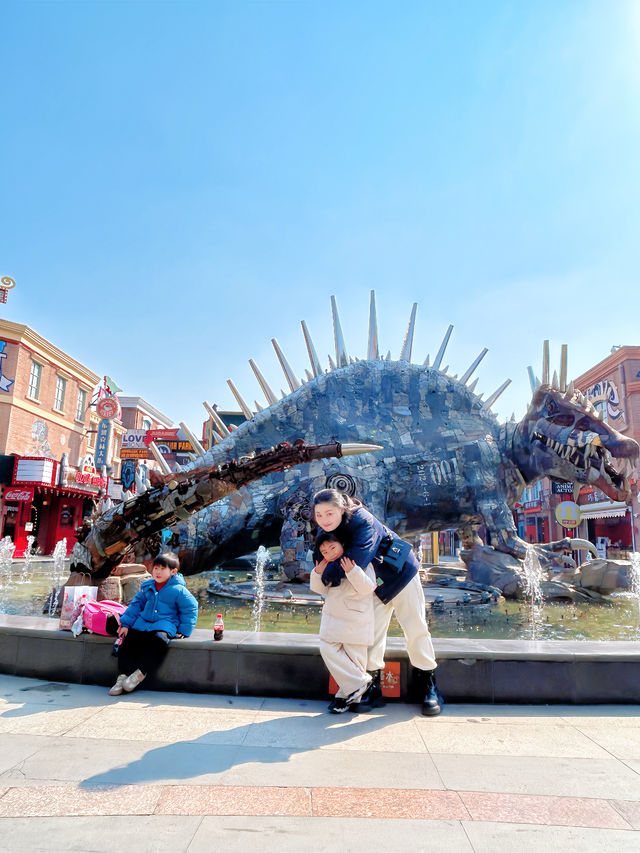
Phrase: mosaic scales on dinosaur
(446, 460)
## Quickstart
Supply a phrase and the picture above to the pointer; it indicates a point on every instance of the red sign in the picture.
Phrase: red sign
(159, 435)
(90, 479)
(108, 408)
(18, 495)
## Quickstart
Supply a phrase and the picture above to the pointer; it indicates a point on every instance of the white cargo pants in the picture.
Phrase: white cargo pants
(347, 664)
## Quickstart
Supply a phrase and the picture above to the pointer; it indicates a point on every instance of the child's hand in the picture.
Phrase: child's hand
(347, 564)
(320, 567)
(122, 631)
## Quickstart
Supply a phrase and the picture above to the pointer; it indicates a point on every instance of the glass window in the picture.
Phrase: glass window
(35, 374)
(82, 404)
(61, 387)
(146, 424)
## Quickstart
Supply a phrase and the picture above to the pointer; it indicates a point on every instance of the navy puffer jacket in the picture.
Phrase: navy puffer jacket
(173, 609)
(362, 535)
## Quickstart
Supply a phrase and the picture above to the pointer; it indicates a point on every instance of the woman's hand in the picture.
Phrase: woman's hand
(347, 564)
(320, 567)
(122, 631)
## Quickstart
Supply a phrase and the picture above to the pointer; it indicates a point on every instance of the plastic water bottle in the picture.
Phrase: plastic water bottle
(218, 627)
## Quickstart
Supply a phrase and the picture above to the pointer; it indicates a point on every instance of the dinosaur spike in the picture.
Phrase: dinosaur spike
(571, 389)
(246, 411)
(220, 425)
(342, 359)
(545, 363)
(286, 368)
(282, 394)
(308, 375)
(554, 382)
(331, 364)
(407, 346)
(351, 360)
(372, 346)
(258, 406)
(444, 369)
(513, 417)
(316, 367)
(266, 390)
(563, 368)
(438, 359)
(532, 379)
(472, 387)
(162, 462)
(199, 449)
(491, 400)
(388, 355)
(427, 361)
(468, 372)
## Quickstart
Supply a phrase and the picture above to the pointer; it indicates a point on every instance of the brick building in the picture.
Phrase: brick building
(47, 440)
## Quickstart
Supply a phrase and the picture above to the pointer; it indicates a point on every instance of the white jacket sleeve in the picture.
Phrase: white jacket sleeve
(315, 583)
(361, 581)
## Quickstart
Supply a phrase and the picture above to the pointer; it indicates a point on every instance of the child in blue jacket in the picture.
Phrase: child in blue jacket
(162, 608)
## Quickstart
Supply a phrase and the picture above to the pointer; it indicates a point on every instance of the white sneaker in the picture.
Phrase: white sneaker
(117, 688)
(132, 681)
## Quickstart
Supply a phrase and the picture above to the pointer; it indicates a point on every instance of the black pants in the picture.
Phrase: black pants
(143, 650)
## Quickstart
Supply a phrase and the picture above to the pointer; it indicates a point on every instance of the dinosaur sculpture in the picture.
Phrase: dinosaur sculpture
(446, 461)
(104, 543)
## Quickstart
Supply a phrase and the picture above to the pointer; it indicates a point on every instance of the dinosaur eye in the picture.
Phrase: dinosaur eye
(551, 407)
(584, 424)
(562, 420)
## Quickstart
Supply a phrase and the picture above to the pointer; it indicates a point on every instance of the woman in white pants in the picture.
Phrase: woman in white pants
(346, 626)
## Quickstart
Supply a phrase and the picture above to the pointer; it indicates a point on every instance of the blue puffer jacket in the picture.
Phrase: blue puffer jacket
(173, 609)
(362, 534)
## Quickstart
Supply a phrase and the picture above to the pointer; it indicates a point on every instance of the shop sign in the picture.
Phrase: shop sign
(134, 453)
(568, 514)
(34, 470)
(108, 407)
(86, 479)
(102, 442)
(18, 495)
(162, 435)
(561, 488)
(134, 438)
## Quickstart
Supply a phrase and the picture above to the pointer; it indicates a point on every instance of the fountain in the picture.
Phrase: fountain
(25, 573)
(635, 585)
(262, 559)
(59, 557)
(532, 577)
(6, 570)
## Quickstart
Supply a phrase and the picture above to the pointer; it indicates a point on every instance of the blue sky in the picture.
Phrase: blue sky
(183, 181)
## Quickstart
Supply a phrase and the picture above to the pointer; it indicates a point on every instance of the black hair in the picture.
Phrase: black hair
(168, 560)
(321, 538)
(337, 499)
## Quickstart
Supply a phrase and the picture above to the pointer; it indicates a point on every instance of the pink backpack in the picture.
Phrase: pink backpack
(96, 612)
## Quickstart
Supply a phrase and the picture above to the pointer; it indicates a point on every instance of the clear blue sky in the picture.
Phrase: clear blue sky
(183, 181)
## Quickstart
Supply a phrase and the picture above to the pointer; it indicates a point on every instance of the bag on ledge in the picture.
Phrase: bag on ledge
(96, 616)
(74, 599)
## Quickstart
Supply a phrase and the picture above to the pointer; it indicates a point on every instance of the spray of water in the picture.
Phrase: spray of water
(635, 585)
(532, 577)
(262, 559)
(59, 556)
(25, 574)
(6, 570)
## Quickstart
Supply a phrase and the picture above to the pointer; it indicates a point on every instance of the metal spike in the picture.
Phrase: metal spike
(532, 379)
(199, 449)
(468, 372)
(351, 361)
(316, 367)
(427, 361)
(472, 387)
(571, 389)
(438, 359)
(372, 346)
(309, 376)
(331, 364)
(554, 382)
(545, 363)
(258, 406)
(444, 370)
(221, 427)
(491, 400)
(282, 394)
(407, 346)
(342, 359)
(246, 411)
(266, 390)
(351, 448)
(513, 417)
(563, 368)
(286, 367)
(388, 358)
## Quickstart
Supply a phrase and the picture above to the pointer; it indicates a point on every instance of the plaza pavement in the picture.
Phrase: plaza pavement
(188, 773)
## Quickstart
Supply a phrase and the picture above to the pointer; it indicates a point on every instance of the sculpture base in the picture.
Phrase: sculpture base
(289, 665)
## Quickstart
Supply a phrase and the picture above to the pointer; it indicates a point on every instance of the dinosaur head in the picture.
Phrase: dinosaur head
(563, 437)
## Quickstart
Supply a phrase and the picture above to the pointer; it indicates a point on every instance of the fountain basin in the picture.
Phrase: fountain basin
(289, 665)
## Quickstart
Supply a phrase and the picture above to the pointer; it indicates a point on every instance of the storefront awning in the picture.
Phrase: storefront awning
(603, 509)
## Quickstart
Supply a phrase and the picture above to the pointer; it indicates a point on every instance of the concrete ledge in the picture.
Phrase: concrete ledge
(290, 665)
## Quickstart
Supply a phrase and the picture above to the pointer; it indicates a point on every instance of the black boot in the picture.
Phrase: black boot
(371, 698)
(432, 698)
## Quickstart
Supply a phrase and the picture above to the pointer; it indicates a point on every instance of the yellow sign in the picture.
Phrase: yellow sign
(568, 514)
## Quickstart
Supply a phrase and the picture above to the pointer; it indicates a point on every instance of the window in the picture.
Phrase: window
(146, 423)
(61, 387)
(82, 404)
(35, 375)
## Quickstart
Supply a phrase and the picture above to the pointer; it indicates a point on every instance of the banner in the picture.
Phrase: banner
(102, 442)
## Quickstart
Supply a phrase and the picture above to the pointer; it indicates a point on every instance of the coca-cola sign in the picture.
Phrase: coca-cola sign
(18, 495)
